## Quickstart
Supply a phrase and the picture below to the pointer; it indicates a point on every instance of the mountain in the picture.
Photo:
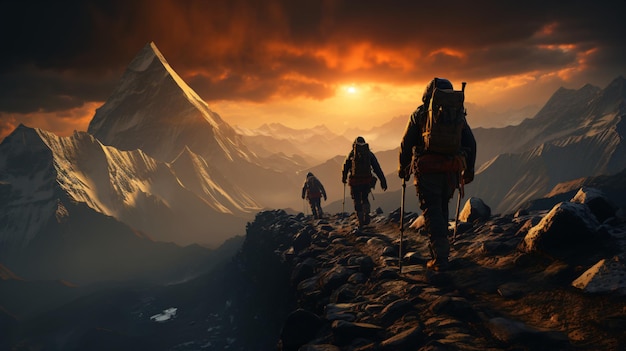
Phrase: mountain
(612, 186)
(315, 145)
(383, 137)
(563, 114)
(578, 133)
(170, 203)
(154, 110)
(92, 212)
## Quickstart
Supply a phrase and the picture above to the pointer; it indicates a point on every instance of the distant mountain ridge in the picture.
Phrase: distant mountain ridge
(578, 133)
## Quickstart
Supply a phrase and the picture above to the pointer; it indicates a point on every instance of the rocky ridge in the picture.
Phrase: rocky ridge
(533, 280)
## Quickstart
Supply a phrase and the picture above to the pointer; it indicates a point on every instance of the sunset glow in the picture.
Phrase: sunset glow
(339, 61)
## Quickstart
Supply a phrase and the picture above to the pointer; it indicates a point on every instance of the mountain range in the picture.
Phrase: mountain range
(578, 133)
(158, 162)
(102, 229)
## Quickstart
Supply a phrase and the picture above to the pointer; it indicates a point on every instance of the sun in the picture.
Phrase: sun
(351, 89)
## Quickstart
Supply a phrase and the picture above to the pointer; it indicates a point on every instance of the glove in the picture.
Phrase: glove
(302, 197)
(383, 184)
(403, 174)
(324, 197)
(343, 180)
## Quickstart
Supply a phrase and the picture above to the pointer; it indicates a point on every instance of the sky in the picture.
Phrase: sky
(342, 63)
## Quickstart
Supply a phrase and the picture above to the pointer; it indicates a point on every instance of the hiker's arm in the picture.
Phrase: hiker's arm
(303, 190)
(410, 139)
(347, 165)
(378, 171)
(468, 143)
(323, 190)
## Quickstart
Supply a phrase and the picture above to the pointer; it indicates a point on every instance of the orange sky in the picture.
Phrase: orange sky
(304, 63)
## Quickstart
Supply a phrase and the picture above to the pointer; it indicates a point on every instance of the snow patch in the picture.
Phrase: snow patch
(166, 315)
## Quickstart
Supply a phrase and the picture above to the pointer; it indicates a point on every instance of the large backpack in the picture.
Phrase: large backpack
(361, 166)
(444, 121)
(313, 187)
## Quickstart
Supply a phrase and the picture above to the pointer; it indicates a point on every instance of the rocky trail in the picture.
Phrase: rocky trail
(502, 291)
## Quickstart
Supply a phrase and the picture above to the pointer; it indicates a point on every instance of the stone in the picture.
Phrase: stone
(474, 209)
(567, 227)
(395, 310)
(344, 332)
(597, 202)
(606, 276)
(407, 340)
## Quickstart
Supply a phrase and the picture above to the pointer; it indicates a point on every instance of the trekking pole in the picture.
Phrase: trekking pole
(458, 206)
(343, 203)
(401, 225)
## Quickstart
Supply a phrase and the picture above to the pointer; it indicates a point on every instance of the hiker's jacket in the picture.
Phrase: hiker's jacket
(412, 145)
(313, 188)
(347, 168)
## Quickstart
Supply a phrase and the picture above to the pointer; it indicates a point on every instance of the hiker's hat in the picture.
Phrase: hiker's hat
(440, 83)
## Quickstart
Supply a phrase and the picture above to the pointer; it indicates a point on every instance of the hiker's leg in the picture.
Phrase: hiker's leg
(313, 208)
(366, 206)
(431, 188)
(318, 207)
(358, 201)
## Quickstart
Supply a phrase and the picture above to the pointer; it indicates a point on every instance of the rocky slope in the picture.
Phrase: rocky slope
(537, 280)
(530, 281)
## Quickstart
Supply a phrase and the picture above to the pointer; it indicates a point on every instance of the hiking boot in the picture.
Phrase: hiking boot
(437, 266)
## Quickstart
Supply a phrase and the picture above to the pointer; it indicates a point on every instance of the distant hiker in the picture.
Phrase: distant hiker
(314, 190)
(359, 164)
(438, 146)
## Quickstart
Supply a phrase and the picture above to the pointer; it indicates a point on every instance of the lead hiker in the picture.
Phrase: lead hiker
(359, 163)
(438, 146)
(313, 190)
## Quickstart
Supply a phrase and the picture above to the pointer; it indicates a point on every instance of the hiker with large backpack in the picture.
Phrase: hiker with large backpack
(313, 190)
(359, 164)
(439, 148)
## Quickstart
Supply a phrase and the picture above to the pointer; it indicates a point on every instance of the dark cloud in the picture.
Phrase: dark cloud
(61, 55)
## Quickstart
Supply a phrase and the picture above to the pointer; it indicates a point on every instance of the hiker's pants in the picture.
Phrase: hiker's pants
(360, 195)
(435, 191)
(316, 207)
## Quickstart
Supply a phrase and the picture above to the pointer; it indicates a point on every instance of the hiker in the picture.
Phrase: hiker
(359, 164)
(313, 190)
(441, 152)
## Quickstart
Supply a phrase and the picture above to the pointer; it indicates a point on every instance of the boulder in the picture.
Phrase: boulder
(598, 203)
(474, 209)
(568, 228)
(606, 276)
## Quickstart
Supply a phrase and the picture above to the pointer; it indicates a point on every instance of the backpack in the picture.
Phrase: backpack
(444, 121)
(361, 166)
(313, 187)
